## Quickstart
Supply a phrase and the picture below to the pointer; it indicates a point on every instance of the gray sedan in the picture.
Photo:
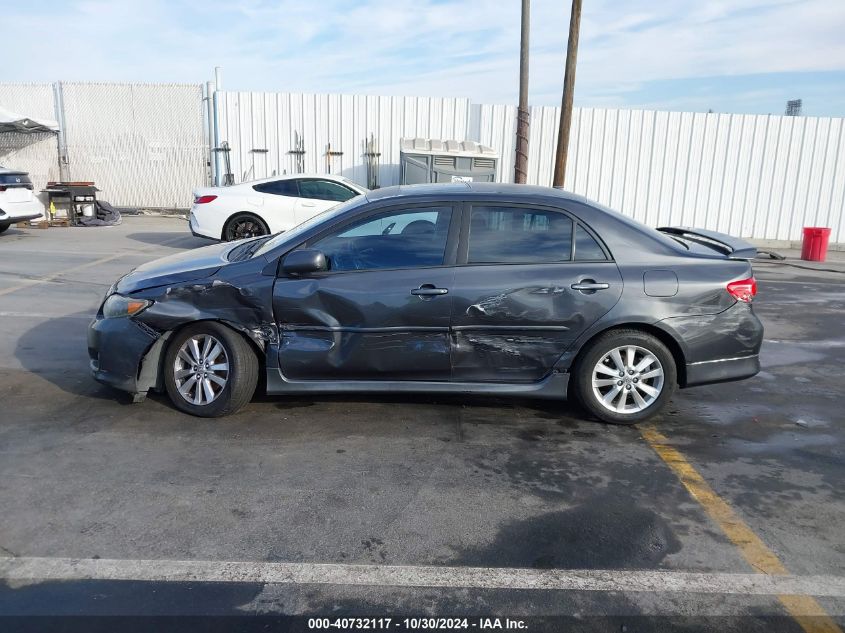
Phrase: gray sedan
(457, 288)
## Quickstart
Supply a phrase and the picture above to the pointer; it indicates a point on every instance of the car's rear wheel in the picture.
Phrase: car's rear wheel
(625, 376)
(210, 370)
(4, 226)
(244, 225)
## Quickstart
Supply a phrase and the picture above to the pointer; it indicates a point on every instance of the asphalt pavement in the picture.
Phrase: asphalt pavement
(378, 505)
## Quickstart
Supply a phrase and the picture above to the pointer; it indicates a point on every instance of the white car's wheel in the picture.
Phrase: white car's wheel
(244, 225)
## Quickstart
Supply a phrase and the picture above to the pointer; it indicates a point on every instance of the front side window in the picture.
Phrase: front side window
(516, 235)
(325, 190)
(278, 188)
(411, 238)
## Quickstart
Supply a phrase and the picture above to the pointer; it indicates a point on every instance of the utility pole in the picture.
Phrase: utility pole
(520, 168)
(568, 90)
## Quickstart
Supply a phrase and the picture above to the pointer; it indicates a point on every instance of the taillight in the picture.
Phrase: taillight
(2, 188)
(204, 199)
(744, 289)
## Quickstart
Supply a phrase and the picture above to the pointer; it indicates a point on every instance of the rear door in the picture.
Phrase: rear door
(382, 310)
(316, 195)
(530, 280)
(278, 205)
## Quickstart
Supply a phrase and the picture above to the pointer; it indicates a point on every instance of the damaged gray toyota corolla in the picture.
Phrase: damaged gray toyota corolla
(460, 288)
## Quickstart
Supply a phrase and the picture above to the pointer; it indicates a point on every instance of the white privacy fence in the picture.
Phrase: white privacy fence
(142, 144)
(147, 145)
(33, 153)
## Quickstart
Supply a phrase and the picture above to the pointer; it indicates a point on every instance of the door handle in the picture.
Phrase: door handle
(589, 284)
(428, 290)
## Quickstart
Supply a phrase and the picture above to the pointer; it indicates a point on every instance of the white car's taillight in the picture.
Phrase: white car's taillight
(204, 199)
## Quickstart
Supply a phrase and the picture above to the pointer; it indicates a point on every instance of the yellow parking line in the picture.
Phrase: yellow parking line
(804, 609)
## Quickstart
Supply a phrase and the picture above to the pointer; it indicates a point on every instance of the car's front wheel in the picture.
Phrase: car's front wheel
(210, 370)
(625, 376)
(244, 225)
(4, 226)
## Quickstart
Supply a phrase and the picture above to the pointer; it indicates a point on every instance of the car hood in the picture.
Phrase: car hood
(188, 266)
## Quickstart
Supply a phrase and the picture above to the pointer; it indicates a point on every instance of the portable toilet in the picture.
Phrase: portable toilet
(425, 160)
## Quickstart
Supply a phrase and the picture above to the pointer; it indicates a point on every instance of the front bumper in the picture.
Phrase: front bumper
(116, 350)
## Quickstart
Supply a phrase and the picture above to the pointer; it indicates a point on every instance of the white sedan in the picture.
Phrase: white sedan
(263, 207)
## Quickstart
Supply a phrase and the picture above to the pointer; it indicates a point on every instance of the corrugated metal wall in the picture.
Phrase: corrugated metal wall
(758, 176)
(255, 121)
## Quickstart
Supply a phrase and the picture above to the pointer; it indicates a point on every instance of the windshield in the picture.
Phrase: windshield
(295, 232)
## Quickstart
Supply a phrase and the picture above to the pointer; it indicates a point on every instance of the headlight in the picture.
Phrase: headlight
(120, 306)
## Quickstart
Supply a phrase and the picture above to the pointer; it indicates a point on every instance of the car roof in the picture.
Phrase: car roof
(473, 189)
(335, 177)
(15, 172)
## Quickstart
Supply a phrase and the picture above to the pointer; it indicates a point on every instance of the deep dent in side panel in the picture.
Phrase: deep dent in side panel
(363, 325)
(218, 300)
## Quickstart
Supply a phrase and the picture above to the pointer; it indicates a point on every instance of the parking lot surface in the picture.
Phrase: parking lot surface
(404, 484)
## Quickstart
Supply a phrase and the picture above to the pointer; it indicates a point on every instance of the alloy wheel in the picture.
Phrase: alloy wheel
(243, 229)
(628, 379)
(201, 369)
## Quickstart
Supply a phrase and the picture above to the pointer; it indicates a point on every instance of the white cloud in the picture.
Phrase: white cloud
(460, 48)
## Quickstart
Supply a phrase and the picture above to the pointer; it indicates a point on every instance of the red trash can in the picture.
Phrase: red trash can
(814, 245)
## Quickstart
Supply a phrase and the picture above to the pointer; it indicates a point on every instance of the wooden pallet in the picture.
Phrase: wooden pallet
(60, 222)
(41, 224)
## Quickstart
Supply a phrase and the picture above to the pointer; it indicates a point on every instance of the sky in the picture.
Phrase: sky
(746, 56)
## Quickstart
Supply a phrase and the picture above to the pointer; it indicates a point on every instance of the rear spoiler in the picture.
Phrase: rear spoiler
(731, 247)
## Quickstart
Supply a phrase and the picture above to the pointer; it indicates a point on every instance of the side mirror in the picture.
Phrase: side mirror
(304, 261)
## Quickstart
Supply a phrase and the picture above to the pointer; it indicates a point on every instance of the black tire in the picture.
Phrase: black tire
(4, 226)
(241, 375)
(600, 351)
(244, 225)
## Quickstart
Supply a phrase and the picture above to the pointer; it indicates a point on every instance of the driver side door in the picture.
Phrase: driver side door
(382, 311)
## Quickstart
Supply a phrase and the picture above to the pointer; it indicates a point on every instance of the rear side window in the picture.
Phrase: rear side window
(15, 179)
(515, 235)
(325, 190)
(278, 188)
(586, 247)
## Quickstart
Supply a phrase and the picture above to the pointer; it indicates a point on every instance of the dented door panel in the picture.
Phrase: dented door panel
(364, 325)
(512, 322)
